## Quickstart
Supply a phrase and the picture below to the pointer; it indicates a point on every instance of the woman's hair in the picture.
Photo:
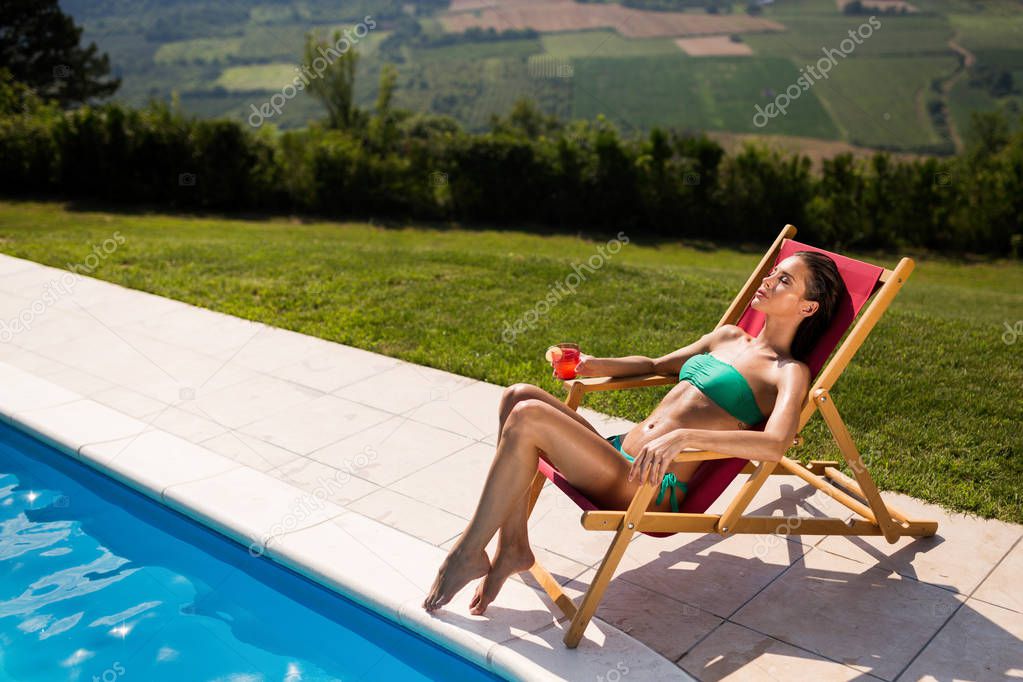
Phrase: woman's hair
(826, 287)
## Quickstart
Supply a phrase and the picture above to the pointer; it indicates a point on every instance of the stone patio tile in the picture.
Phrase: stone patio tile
(415, 518)
(329, 366)
(453, 483)
(391, 450)
(10, 265)
(315, 424)
(249, 400)
(21, 390)
(323, 482)
(600, 656)
(714, 573)
(82, 383)
(267, 349)
(665, 624)
(188, 425)
(250, 451)
(404, 387)
(80, 422)
(128, 401)
(156, 460)
(737, 654)
(958, 557)
(249, 506)
(30, 282)
(197, 329)
(866, 617)
(981, 642)
(1002, 587)
(470, 410)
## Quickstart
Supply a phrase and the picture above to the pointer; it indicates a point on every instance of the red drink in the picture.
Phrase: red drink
(564, 359)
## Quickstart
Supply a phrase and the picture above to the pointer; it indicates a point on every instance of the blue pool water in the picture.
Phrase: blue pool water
(98, 582)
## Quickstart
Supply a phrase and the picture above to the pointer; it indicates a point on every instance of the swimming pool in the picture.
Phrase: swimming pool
(99, 582)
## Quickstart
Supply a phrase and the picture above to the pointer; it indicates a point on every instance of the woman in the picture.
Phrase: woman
(729, 381)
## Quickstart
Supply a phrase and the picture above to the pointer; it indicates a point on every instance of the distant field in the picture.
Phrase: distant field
(473, 90)
(466, 52)
(584, 63)
(565, 15)
(580, 44)
(712, 94)
(713, 46)
(257, 77)
(984, 32)
(809, 34)
(876, 100)
(200, 49)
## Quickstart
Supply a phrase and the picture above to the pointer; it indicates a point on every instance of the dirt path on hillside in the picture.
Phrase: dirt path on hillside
(969, 59)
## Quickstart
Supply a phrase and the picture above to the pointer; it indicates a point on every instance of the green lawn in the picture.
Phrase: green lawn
(932, 399)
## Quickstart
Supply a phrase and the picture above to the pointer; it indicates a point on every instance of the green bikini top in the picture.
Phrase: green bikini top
(723, 384)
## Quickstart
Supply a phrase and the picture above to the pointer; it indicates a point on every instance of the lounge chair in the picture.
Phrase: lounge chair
(865, 283)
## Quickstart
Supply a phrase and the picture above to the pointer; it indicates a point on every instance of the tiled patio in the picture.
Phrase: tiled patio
(409, 447)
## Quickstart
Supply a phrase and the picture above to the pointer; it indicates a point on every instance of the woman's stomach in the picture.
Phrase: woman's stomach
(686, 407)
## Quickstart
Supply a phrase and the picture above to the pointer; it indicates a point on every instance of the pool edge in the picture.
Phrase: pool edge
(88, 432)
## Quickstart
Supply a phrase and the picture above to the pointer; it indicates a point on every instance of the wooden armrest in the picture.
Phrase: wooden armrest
(700, 456)
(587, 384)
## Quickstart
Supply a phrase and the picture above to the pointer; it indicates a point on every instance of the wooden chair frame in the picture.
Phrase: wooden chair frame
(859, 494)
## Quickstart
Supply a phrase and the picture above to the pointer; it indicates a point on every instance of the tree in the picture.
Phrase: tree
(39, 45)
(383, 128)
(332, 81)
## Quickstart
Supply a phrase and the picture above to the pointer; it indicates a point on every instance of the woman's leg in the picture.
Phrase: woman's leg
(533, 427)
(514, 530)
(513, 552)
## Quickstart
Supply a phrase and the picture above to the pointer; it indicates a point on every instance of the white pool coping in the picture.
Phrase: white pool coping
(369, 562)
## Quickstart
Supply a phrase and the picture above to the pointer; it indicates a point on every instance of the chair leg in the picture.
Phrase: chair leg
(607, 567)
(539, 573)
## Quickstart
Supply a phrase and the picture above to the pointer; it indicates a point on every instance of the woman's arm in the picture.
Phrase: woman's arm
(667, 365)
(776, 438)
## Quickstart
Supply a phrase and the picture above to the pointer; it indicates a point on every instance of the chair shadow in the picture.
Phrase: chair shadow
(866, 655)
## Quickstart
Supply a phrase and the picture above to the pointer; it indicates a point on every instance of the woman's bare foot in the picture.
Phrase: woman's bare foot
(507, 562)
(454, 574)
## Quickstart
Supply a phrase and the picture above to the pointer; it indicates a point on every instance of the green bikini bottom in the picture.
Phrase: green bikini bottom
(668, 484)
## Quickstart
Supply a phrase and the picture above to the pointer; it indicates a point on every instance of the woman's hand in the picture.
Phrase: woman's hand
(654, 458)
(583, 368)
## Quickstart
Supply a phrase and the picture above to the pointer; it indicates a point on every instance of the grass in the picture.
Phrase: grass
(932, 398)
(711, 94)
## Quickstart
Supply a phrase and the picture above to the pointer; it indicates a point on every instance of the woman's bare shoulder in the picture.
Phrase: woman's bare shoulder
(726, 333)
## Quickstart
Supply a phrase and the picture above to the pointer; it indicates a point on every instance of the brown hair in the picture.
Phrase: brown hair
(826, 287)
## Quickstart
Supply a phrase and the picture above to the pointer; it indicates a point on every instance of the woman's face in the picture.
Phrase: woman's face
(781, 291)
